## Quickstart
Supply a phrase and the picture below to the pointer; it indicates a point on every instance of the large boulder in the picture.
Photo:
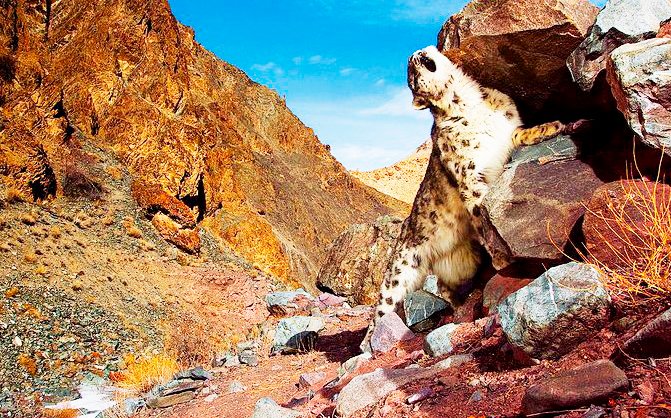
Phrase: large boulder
(389, 331)
(638, 77)
(520, 47)
(357, 259)
(620, 22)
(620, 222)
(532, 208)
(563, 307)
(588, 384)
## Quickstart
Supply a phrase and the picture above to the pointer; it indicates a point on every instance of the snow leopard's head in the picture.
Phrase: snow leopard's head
(429, 77)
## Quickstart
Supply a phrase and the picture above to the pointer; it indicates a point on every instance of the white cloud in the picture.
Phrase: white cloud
(318, 59)
(269, 67)
(366, 131)
(399, 104)
(297, 60)
(346, 71)
(380, 82)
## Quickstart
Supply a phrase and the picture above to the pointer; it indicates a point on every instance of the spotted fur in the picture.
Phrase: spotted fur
(474, 133)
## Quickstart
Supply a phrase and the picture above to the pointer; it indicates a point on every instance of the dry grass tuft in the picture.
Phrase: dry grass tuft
(28, 363)
(29, 256)
(140, 376)
(638, 238)
(28, 219)
(188, 341)
(59, 413)
(14, 195)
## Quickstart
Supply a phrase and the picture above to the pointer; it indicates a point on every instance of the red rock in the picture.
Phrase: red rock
(588, 384)
(520, 47)
(498, 288)
(665, 30)
(626, 197)
(308, 380)
(389, 331)
(653, 340)
(470, 310)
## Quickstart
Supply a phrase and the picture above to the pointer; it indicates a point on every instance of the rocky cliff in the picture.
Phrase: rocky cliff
(206, 146)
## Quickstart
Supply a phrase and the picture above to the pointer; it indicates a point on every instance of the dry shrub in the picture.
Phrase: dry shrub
(14, 195)
(142, 375)
(78, 183)
(638, 240)
(188, 341)
(29, 256)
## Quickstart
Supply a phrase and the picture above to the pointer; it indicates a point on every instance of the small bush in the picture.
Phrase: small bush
(643, 253)
(14, 195)
(188, 342)
(140, 376)
(78, 183)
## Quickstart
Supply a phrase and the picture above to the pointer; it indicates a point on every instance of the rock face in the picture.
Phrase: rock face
(653, 340)
(520, 48)
(561, 308)
(356, 261)
(638, 77)
(588, 384)
(451, 338)
(532, 208)
(633, 200)
(205, 144)
(620, 22)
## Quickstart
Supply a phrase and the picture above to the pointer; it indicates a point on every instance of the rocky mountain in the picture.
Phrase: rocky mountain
(400, 180)
(207, 148)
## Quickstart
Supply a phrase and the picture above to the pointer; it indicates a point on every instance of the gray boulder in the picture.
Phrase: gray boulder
(620, 22)
(439, 341)
(268, 408)
(431, 285)
(296, 334)
(550, 316)
(638, 77)
(533, 206)
(423, 310)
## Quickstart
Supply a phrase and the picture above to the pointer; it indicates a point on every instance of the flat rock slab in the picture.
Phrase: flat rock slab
(550, 316)
(588, 384)
(389, 331)
(638, 75)
(534, 205)
(170, 400)
(653, 340)
(296, 334)
(620, 22)
(423, 310)
(367, 389)
(268, 408)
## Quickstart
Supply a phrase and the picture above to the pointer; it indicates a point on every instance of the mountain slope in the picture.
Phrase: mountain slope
(206, 146)
(401, 180)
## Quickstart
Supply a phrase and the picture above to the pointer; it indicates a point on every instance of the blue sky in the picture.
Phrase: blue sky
(339, 63)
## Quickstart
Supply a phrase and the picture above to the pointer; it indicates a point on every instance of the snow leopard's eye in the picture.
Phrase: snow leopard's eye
(428, 63)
